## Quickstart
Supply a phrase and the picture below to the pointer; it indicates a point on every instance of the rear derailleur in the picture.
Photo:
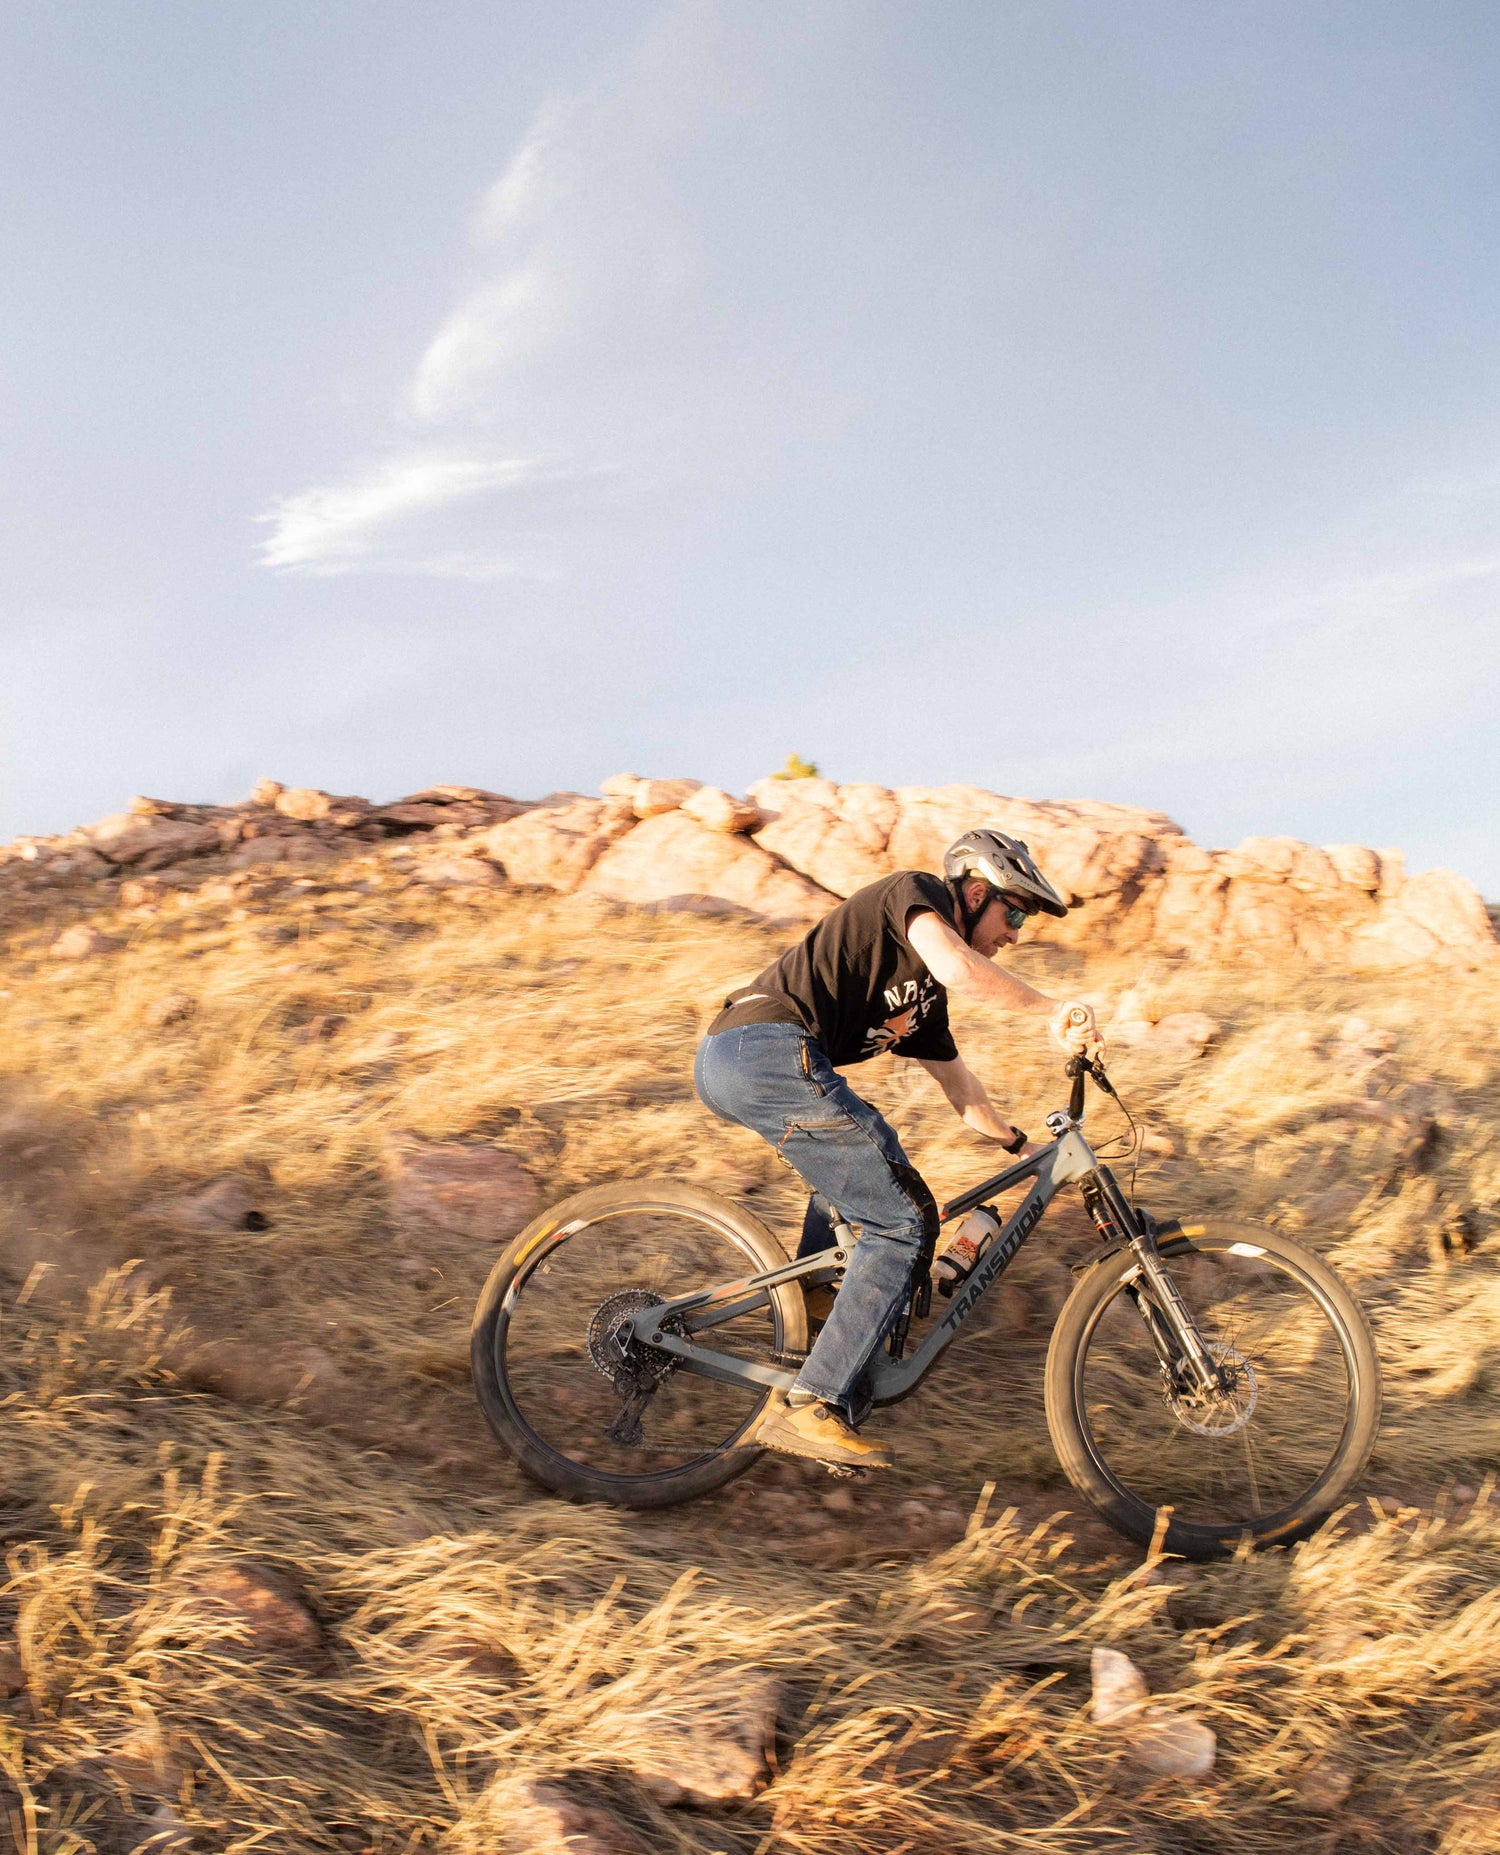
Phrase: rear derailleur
(634, 1369)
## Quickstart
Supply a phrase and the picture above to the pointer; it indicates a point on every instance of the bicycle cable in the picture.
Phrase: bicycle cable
(1132, 1133)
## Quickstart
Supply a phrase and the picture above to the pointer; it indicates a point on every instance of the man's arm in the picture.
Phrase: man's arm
(966, 1094)
(961, 970)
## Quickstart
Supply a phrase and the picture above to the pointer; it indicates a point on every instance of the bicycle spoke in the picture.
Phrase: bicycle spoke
(1254, 1444)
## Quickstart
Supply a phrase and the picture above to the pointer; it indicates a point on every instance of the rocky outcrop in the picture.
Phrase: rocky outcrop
(671, 861)
(785, 855)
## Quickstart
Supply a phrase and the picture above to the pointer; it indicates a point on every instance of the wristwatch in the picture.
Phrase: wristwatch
(1013, 1146)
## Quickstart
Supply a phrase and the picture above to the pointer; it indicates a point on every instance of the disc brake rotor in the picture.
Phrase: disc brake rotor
(1224, 1410)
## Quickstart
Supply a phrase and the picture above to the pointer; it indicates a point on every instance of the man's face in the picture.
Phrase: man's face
(991, 931)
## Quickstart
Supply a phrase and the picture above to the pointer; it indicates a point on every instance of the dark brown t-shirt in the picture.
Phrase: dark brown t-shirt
(855, 982)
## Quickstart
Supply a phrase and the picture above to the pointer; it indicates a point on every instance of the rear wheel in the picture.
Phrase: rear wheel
(627, 1424)
(1272, 1450)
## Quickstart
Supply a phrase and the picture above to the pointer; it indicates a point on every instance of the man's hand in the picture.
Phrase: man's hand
(1075, 1028)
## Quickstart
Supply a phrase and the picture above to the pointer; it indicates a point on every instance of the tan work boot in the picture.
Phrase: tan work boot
(818, 1432)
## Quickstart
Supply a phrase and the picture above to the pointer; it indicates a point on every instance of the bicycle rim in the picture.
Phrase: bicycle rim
(1250, 1455)
(552, 1345)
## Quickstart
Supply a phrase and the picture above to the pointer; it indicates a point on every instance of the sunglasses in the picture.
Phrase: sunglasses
(1016, 915)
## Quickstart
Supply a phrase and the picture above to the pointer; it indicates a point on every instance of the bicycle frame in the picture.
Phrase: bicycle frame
(1068, 1159)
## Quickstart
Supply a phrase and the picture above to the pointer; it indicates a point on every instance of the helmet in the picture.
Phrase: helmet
(1006, 865)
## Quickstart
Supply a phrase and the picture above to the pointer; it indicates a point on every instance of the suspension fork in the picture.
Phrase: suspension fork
(1168, 1319)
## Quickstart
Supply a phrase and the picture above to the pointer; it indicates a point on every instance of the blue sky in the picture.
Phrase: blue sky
(1075, 399)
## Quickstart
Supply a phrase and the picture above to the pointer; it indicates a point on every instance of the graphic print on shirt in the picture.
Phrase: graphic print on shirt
(909, 1003)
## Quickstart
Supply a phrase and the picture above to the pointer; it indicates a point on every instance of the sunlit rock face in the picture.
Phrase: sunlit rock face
(793, 848)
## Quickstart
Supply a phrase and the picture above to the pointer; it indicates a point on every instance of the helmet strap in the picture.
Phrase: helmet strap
(969, 916)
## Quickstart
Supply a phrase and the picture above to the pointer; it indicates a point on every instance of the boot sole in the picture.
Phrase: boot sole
(789, 1443)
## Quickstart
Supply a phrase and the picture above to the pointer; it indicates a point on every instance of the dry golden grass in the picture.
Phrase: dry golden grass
(936, 1658)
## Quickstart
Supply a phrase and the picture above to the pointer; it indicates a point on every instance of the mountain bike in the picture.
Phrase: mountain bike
(1206, 1382)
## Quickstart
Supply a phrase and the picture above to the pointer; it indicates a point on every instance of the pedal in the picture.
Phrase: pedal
(841, 1471)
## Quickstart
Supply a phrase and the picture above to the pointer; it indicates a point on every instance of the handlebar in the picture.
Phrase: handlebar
(1080, 1067)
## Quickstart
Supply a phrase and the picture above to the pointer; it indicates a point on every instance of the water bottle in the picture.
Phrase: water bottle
(975, 1235)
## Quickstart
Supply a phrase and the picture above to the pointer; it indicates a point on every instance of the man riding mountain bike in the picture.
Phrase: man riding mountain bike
(874, 975)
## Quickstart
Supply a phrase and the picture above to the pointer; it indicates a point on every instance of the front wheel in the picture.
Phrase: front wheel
(627, 1424)
(1272, 1450)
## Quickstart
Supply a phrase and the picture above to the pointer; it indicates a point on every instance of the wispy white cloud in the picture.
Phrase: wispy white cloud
(371, 518)
(577, 336)
(492, 330)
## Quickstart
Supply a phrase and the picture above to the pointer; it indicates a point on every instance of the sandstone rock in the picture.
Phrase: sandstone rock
(82, 942)
(1281, 859)
(1167, 1743)
(459, 873)
(1324, 1784)
(835, 835)
(148, 843)
(212, 1210)
(1392, 873)
(143, 891)
(267, 1617)
(1173, 1745)
(305, 803)
(266, 792)
(671, 861)
(555, 847)
(1119, 1687)
(620, 786)
(714, 1749)
(481, 1192)
(143, 807)
(719, 811)
(542, 1816)
(1355, 865)
(1436, 916)
(652, 797)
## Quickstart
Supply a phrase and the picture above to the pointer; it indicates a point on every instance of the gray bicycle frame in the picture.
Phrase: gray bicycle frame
(1068, 1158)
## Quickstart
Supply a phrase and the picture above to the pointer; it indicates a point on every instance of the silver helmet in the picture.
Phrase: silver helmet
(1006, 865)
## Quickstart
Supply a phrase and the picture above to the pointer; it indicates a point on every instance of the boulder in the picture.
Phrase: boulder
(1169, 1744)
(1354, 865)
(555, 847)
(673, 862)
(720, 811)
(652, 797)
(1436, 916)
(148, 843)
(714, 1748)
(266, 1618)
(458, 872)
(476, 1191)
(306, 804)
(82, 942)
(547, 1816)
(1119, 1687)
(835, 835)
(217, 1209)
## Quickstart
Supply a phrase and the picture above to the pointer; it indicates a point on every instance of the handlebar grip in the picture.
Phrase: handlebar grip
(1078, 1015)
(1075, 1099)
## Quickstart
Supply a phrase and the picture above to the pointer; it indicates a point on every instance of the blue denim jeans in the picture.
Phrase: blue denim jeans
(775, 1079)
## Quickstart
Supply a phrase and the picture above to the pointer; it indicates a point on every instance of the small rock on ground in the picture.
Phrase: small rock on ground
(82, 942)
(717, 1750)
(472, 1191)
(225, 1205)
(270, 1621)
(540, 1816)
